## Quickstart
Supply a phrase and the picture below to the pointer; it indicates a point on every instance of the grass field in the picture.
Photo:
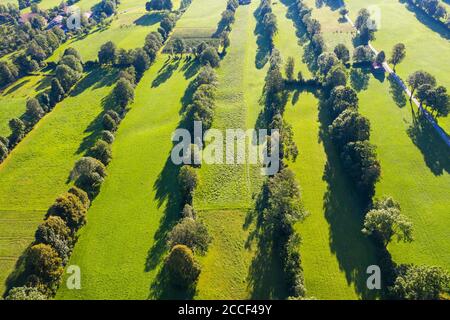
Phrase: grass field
(415, 175)
(334, 29)
(427, 43)
(224, 193)
(36, 171)
(121, 249)
(415, 163)
(127, 30)
(13, 98)
(334, 266)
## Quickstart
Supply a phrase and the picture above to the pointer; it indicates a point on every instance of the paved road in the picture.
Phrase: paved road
(391, 72)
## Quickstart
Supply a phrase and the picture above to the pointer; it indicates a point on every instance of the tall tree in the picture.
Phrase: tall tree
(398, 54)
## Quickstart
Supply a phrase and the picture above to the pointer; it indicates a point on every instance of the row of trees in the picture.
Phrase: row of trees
(267, 22)
(311, 25)
(56, 237)
(224, 26)
(279, 202)
(428, 93)
(190, 236)
(53, 244)
(350, 132)
(433, 8)
(67, 73)
(384, 221)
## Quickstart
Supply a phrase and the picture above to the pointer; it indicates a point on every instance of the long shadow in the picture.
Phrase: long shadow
(97, 78)
(165, 73)
(16, 87)
(332, 4)
(344, 210)
(266, 279)
(425, 19)
(264, 45)
(44, 83)
(148, 19)
(162, 289)
(435, 152)
(168, 194)
(19, 276)
(397, 92)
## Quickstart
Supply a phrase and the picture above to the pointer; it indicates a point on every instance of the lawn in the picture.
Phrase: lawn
(36, 171)
(427, 43)
(121, 248)
(334, 253)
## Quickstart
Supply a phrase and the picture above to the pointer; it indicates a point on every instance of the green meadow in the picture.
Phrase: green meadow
(37, 170)
(334, 252)
(414, 161)
(224, 193)
(427, 43)
(122, 246)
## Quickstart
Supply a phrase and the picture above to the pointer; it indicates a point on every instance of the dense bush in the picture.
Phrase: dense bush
(88, 174)
(191, 233)
(159, 5)
(123, 92)
(69, 208)
(342, 98)
(361, 164)
(101, 150)
(420, 282)
(187, 180)
(181, 266)
(349, 126)
(25, 293)
(107, 136)
(44, 262)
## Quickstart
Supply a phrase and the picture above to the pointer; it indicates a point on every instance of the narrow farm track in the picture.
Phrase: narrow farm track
(121, 248)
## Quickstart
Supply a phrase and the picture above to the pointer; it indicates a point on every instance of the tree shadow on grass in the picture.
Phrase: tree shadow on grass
(434, 150)
(264, 45)
(168, 194)
(96, 78)
(397, 92)
(344, 210)
(425, 19)
(191, 68)
(16, 87)
(93, 130)
(44, 83)
(165, 72)
(162, 289)
(149, 19)
(265, 277)
(19, 276)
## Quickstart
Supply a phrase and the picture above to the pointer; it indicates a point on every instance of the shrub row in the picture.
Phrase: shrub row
(67, 73)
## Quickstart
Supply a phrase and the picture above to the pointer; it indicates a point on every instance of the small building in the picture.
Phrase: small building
(376, 67)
